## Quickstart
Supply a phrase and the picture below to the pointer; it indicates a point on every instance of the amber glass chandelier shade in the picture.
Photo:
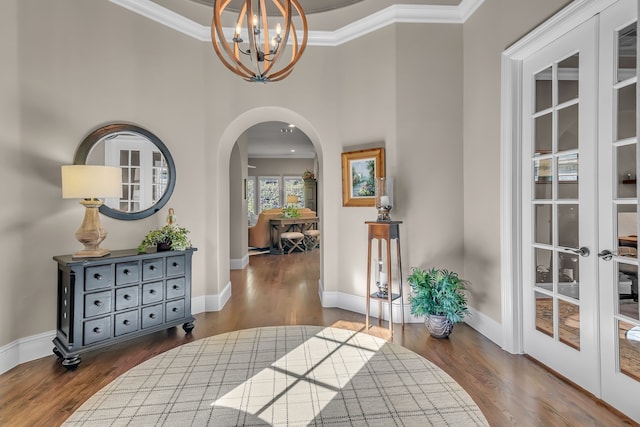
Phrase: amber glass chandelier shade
(260, 45)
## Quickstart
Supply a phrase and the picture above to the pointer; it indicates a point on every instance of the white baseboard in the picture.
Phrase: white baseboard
(211, 302)
(239, 264)
(26, 349)
(36, 346)
(358, 304)
(485, 325)
(477, 320)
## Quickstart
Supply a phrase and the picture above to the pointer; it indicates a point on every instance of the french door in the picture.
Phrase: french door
(560, 299)
(618, 208)
(580, 216)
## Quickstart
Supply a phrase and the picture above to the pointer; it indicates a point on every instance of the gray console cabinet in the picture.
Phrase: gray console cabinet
(103, 301)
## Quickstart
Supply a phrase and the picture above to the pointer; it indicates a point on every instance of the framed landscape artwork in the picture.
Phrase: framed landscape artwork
(359, 172)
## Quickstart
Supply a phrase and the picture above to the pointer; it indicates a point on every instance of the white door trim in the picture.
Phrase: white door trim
(576, 13)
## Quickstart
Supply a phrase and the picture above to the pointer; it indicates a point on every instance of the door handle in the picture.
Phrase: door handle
(583, 251)
(606, 254)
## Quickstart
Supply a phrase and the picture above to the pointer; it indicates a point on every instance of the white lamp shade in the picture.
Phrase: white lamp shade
(86, 182)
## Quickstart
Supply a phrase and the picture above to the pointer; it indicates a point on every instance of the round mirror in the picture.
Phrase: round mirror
(148, 171)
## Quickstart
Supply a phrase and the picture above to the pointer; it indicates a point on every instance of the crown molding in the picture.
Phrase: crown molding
(399, 13)
(166, 17)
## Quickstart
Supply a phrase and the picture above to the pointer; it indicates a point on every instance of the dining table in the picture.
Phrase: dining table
(282, 225)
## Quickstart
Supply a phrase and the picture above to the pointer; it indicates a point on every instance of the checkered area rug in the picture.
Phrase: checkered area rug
(283, 376)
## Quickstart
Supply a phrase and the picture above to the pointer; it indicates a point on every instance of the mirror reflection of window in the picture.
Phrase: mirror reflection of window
(144, 169)
(160, 176)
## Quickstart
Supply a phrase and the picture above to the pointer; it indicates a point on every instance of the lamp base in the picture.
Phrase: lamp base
(91, 253)
(91, 233)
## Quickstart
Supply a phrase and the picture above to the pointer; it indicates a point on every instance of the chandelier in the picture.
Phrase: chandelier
(258, 52)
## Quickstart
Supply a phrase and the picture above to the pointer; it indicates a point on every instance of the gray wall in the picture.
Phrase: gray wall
(429, 148)
(238, 247)
(496, 25)
(12, 227)
(430, 97)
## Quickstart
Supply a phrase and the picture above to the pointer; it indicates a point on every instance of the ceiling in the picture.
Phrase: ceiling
(268, 140)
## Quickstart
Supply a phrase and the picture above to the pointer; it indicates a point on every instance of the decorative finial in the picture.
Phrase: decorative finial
(171, 218)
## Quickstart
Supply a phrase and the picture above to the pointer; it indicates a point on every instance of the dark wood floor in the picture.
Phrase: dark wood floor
(282, 290)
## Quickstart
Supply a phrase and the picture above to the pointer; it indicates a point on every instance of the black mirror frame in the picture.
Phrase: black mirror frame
(98, 134)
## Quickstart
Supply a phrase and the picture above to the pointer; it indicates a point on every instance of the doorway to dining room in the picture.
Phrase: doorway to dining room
(266, 168)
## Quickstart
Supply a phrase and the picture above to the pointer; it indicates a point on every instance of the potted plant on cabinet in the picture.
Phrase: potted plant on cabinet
(169, 237)
(439, 295)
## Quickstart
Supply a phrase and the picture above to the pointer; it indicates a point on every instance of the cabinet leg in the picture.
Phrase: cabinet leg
(188, 327)
(71, 363)
(57, 353)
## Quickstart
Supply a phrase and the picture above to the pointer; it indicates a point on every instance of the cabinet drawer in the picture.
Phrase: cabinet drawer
(175, 265)
(175, 288)
(175, 310)
(127, 272)
(97, 330)
(97, 277)
(97, 303)
(126, 298)
(151, 316)
(126, 322)
(151, 292)
(152, 269)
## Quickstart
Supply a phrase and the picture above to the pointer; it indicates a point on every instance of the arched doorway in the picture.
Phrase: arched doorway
(266, 171)
(221, 235)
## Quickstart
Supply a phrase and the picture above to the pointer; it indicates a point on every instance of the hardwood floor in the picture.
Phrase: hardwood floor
(283, 290)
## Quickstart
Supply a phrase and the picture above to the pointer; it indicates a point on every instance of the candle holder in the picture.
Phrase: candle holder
(382, 281)
(384, 199)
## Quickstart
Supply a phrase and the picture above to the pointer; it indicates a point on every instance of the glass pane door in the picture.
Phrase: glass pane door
(556, 204)
(618, 251)
(559, 286)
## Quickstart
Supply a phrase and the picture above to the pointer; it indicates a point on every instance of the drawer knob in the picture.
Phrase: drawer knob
(97, 303)
(97, 276)
(176, 287)
(152, 267)
(97, 330)
(152, 291)
(175, 264)
(127, 297)
(152, 316)
(127, 272)
(126, 323)
(175, 309)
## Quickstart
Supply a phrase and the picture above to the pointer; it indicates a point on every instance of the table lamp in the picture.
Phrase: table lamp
(89, 183)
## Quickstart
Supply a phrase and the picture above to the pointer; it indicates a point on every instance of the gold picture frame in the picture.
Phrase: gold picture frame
(359, 172)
